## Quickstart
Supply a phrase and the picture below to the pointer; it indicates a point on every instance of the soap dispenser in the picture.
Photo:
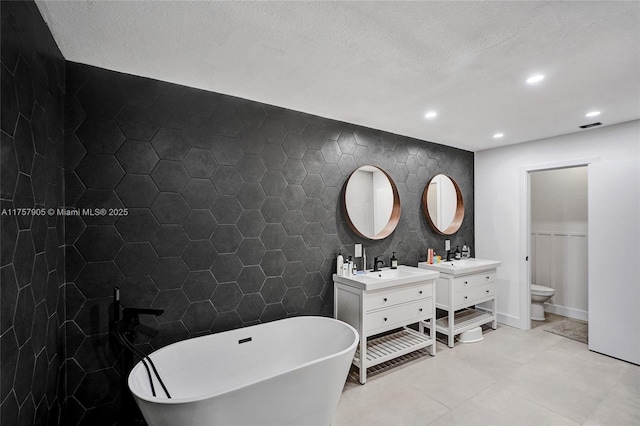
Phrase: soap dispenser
(394, 261)
(457, 253)
(465, 251)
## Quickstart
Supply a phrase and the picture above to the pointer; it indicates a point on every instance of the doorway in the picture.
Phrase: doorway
(526, 246)
(558, 241)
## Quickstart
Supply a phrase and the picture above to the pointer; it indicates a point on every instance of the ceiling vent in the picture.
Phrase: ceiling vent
(586, 126)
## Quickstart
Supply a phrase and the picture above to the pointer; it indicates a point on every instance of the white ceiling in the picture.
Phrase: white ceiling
(381, 64)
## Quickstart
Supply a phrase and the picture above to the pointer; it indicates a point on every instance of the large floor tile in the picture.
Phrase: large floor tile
(580, 351)
(569, 398)
(511, 377)
(518, 345)
(481, 356)
(497, 407)
(386, 401)
(620, 408)
(578, 367)
(450, 380)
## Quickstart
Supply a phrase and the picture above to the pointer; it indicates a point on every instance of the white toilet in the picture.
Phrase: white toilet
(539, 295)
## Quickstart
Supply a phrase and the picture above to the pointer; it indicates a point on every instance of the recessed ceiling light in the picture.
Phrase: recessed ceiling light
(498, 135)
(430, 114)
(535, 79)
(592, 114)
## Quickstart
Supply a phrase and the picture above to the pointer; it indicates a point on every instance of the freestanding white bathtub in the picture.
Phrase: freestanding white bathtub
(286, 372)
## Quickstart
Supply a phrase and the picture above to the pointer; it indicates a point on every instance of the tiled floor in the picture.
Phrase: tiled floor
(512, 377)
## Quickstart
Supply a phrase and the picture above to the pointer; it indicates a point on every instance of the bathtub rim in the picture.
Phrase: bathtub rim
(164, 400)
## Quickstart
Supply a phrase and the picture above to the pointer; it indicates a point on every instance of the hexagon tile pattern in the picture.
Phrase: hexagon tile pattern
(32, 258)
(233, 212)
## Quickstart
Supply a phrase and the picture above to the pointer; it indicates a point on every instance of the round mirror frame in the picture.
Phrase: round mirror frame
(458, 217)
(395, 212)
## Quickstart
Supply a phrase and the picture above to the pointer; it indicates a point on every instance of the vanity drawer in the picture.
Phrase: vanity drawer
(472, 295)
(471, 281)
(395, 297)
(488, 290)
(399, 314)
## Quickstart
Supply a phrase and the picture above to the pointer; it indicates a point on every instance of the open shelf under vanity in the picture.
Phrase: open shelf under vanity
(387, 347)
(464, 320)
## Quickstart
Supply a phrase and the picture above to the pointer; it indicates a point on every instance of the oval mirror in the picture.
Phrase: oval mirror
(371, 203)
(443, 205)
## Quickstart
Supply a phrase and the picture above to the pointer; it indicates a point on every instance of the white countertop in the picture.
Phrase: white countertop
(461, 267)
(387, 277)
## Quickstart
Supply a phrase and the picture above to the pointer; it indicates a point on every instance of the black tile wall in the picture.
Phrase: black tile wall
(233, 217)
(32, 255)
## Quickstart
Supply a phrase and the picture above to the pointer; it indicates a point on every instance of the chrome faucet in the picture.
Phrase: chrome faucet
(376, 262)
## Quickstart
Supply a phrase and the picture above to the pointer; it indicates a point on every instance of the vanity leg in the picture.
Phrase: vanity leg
(451, 325)
(362, 373)
(429, 325)
(432, 334)
(494, 324)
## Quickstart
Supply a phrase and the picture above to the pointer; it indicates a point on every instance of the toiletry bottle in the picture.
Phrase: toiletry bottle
(465, 251)
(364, 260)
(339, 263)
(394, 261)
(430, 256)
(349, 266)
(354, 269)
(457, 253)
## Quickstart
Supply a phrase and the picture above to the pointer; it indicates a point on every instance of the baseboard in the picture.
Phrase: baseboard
(503, 319)
(510, 320)
(567, 312)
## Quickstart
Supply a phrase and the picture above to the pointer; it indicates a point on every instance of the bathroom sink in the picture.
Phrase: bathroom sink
(387, 277)
(461, 267)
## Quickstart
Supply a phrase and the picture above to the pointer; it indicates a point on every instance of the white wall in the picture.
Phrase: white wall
(614, 227)
(559, 200)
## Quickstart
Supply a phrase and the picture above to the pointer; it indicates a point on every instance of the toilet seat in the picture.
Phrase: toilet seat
(541, 290)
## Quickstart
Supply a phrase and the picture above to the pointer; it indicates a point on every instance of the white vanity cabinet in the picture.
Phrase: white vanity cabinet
(462, 285)
(380, 306)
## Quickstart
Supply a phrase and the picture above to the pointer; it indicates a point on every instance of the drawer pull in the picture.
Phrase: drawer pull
(487, 277)
(420, 292)
(466, 297)
(385, 318)
(487, 291)
(420, 309)
(466, 282)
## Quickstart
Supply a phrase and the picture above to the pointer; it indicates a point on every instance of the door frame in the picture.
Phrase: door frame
(525, 226)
